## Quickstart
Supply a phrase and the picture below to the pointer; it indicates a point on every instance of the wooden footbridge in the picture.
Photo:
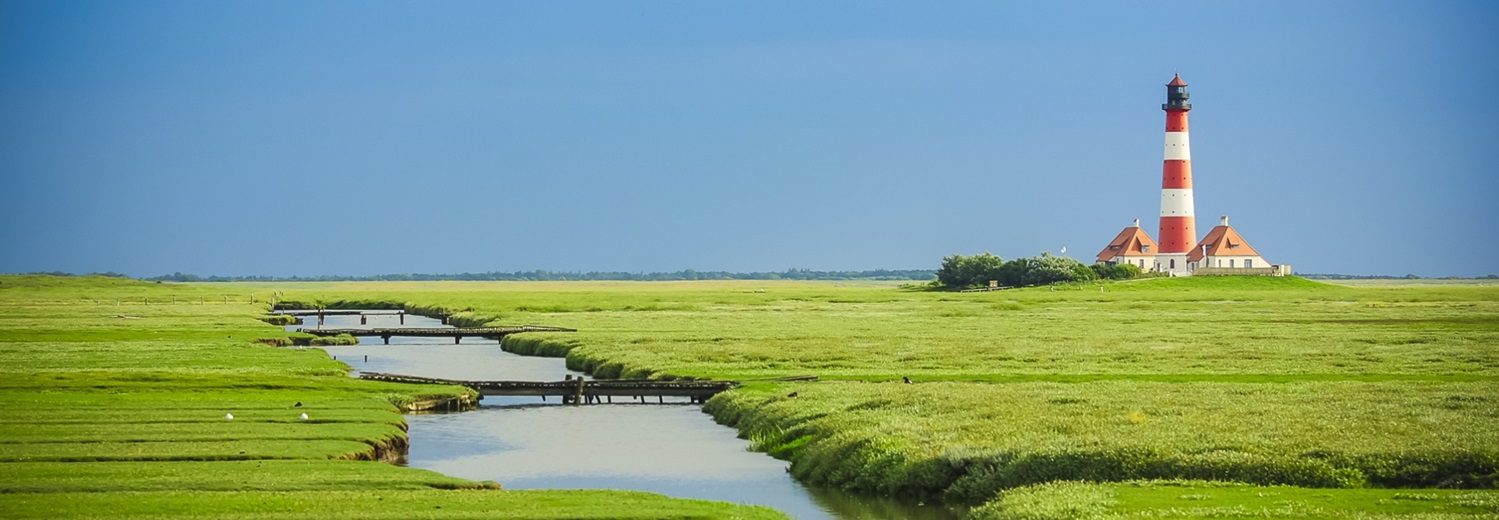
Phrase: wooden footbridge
(364, 315)
(577, 391)
(457, 334)
(338, 312)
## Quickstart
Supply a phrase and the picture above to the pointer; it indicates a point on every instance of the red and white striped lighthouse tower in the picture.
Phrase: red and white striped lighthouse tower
(1178, 225)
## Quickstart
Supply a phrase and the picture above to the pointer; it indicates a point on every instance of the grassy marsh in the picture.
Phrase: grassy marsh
(1262, 380)
(113, 403)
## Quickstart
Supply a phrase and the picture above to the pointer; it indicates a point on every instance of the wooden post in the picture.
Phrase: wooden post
(403, 317)
(386, 338)
(456, 339)
(363, 320)
(578, 396)
(568, 379)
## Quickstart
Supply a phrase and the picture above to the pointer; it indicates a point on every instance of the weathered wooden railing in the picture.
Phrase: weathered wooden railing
(456, 333)
(577, 391)
(363, 314)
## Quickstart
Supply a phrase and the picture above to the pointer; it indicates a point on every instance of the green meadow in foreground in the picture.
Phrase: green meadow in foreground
(1268, 381)
(113, 403)
(1182, 500)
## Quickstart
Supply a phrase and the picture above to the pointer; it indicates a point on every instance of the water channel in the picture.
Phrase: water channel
(525, 443)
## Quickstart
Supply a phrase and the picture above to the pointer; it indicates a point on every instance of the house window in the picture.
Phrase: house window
(1230, 262)
(1173, 263)
(1248, 263)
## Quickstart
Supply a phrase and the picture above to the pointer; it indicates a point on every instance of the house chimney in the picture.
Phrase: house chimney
(1137, 223)
(1223, 221)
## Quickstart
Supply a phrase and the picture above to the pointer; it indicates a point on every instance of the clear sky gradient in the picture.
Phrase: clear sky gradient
(281, 138)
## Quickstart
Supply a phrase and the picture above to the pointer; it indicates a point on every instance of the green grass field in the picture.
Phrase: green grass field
(1261, 380)
(1182, 398)
(1183, 500)
(113, 395)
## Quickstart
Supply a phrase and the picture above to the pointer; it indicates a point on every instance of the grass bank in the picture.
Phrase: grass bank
(116, 399)
(1264, 380)
(1198, 499)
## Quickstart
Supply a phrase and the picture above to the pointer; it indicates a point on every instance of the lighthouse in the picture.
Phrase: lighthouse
(1178, 232)
(1223, 252)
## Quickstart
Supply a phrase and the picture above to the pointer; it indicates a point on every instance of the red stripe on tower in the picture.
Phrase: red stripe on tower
(1178, 224)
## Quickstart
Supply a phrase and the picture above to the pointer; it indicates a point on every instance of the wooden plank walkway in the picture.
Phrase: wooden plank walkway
(364, 315)
(339, 312)
(577, 391)
(433, 332)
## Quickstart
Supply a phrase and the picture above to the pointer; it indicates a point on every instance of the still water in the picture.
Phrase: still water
(526, 443)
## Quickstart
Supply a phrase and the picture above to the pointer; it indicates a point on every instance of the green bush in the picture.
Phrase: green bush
(960, 271)
(1116, 271)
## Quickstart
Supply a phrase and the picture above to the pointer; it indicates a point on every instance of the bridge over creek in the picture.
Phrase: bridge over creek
(577, 391)
(363, 314)
(339, 312)
(457, 334)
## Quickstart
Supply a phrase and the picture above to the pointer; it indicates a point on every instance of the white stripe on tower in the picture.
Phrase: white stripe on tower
(1178, 146)
(1176, 202)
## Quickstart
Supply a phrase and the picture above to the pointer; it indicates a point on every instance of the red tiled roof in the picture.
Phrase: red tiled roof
(1222, 241)
(1131, 242)
(1177, 82)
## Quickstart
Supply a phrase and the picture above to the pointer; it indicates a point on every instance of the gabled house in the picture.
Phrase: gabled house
(1225, 248)
(1130, 246)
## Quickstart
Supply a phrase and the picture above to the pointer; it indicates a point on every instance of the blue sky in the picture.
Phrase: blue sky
(281, 138)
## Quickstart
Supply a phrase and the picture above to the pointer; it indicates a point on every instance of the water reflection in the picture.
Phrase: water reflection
(524, 443)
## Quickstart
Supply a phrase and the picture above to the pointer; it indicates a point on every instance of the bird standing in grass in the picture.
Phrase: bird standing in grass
(304, 416)
(228, 417)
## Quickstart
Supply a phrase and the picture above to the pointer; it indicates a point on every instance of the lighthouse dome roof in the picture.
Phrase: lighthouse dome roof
(1177, 82)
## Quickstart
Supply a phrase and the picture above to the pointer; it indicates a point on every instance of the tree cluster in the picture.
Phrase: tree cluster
(961, 272)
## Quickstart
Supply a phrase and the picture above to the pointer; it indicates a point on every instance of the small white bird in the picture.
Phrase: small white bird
(228, 417)
(304, 416)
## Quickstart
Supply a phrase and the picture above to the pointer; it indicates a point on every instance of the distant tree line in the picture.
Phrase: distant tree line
(107, 274)
(688, 274)
(1334, 276)
(961, 272)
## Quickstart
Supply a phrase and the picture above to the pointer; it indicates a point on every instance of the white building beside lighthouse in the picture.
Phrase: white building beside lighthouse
(1224, 251)
(1131, 246)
